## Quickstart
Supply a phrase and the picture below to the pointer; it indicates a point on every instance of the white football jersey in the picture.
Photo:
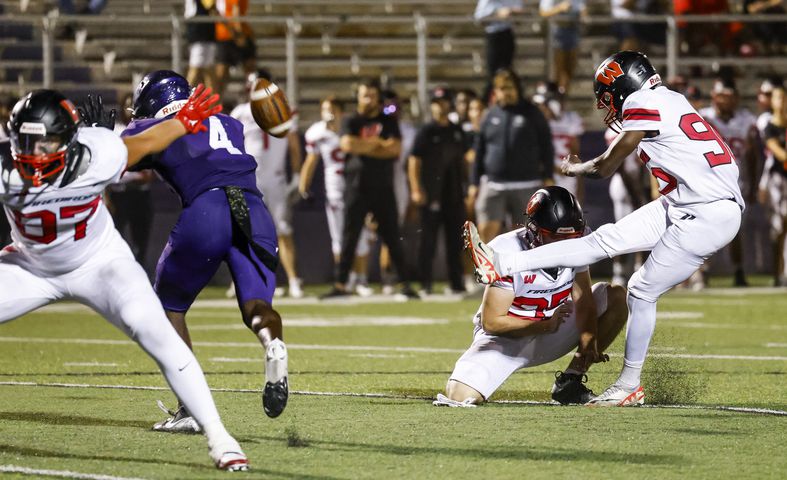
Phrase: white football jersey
(690, 161)
(564, 129)
(762, 121)
(269, 151)
(536, 293)
(735, 131)
(322, 141)
(58, 229)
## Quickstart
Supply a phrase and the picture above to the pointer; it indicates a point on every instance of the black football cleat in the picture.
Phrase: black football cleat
(570, 389)
(274, 397)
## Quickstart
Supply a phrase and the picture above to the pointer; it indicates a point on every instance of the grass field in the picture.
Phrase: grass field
(76, 396)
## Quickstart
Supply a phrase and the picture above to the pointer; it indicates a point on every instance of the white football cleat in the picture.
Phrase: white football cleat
(364, 290)
(276, 390)
(295, 288)
(443, 401)
(617, 396)
(227, 455)
(482, 256)
(179, 421)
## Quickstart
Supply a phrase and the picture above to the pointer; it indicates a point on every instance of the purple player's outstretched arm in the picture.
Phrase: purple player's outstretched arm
(201, 105)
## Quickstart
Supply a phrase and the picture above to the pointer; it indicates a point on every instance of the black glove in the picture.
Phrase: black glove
(94, 115)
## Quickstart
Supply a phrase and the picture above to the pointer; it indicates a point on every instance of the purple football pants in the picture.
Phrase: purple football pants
(204, 236)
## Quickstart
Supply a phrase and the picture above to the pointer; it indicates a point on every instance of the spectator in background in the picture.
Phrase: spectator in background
(91, 7)
(773, 184)
(235, 42)
(406, 216)
(130, 200)
(499, 34)
(764, 102)
(565, 36)
(737, 127)
(202, 43)
(436, 170)
(772, 35)
(566, 127)
(461, 106)
(475, 115)
(372, 142)
(6, 105)
(698, 37)
(513, 156)
(625, 31)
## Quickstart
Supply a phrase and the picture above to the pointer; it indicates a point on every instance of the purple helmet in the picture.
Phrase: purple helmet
(160, 94)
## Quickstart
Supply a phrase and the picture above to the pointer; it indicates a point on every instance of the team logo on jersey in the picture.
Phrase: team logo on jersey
(529, 278)
(610, 72)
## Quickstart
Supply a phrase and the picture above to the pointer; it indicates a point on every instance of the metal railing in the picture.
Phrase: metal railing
(420, 24)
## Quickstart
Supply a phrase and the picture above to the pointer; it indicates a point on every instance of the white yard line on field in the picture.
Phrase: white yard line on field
(761, 411)
(776, 345)
(60, 473)
(366, 348)
(89, 364)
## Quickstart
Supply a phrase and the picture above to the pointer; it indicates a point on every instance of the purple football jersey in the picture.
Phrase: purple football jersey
(196, 163)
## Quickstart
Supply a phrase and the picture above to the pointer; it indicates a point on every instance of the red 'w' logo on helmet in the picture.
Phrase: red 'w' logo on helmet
(611, 71)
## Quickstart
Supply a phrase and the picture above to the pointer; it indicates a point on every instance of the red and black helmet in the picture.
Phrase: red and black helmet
(42, 129)
(618, 77)
(553, 214)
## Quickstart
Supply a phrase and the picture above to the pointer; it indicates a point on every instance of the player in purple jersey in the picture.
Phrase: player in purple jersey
(223, 220)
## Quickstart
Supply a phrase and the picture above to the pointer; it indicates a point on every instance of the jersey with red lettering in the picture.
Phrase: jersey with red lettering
(322, 141)
(57, 229)
(537, 293)
(734, 131)
(691, 162)
(564, 130)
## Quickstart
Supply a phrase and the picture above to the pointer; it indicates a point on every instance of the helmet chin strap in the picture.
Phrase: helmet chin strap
(77, 160)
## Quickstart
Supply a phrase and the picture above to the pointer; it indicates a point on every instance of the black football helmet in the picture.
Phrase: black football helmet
(42, 129)
(618, 77)
(553, 214)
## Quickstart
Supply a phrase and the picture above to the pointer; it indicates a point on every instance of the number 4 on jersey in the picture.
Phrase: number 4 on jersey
(219, 138)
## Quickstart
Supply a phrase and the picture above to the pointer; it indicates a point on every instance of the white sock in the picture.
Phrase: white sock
(182, 372)
(352, 281)
(641, 323)
(577, 252)
(362, 279)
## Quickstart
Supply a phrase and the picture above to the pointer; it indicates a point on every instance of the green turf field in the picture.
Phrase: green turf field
(361, 376)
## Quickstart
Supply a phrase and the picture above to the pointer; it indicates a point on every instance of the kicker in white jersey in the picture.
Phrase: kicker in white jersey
(691, 162)
(58, 229)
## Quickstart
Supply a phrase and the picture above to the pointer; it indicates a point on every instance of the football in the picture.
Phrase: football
(270, 108)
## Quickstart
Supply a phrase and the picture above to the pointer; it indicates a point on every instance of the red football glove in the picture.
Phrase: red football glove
(200, 106)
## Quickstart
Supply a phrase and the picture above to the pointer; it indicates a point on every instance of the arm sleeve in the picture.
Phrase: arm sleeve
(640, 114)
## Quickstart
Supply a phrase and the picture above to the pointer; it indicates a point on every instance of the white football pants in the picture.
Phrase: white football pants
(114, 285)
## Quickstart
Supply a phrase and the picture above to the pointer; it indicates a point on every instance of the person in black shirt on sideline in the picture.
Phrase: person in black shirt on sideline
(372, 142)
(436, 170)
(513, 156)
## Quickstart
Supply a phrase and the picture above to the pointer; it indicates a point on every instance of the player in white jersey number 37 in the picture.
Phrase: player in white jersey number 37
(535, 317)
(65, 245)
(698, 213)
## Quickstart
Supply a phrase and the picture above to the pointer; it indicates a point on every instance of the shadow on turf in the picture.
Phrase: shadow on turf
(503, 452)
(76, 420)
(37, 452)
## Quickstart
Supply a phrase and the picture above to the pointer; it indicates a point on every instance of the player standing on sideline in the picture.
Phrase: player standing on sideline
(280, 196)
(535, 317)
(566, 127)
(699, 211)
(737, 127)
(773, 186)
(65, 245)
(223, 220)
(322, 141)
